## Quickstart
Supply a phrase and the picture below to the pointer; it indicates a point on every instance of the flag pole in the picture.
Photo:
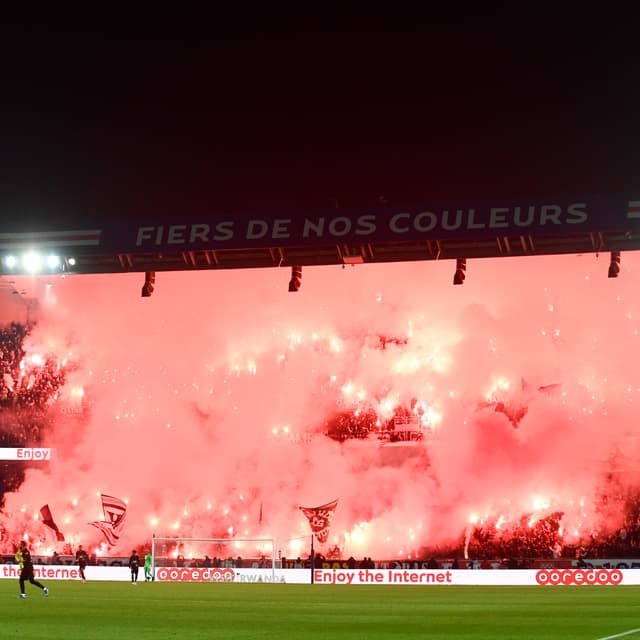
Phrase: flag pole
(313, 559)
(153, 556)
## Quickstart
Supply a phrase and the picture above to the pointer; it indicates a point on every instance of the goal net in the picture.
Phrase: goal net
(213, 553)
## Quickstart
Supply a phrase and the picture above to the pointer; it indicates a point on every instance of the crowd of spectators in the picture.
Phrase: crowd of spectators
(26, 383)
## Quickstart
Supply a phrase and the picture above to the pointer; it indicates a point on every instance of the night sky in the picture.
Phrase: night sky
(120, 113)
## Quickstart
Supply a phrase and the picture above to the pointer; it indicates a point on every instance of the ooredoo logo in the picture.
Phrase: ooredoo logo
(175, 574)
(578, 576)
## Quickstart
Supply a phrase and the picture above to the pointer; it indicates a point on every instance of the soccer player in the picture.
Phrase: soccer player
(82, 558)
(23, 557)
(148, 571)
(134, 565)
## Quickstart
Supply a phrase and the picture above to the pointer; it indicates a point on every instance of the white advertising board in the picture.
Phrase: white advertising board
(404, 577)
(26, 454)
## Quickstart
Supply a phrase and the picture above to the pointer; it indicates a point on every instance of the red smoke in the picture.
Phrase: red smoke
(209, 401)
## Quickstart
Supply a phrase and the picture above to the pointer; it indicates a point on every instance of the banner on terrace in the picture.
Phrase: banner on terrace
(320, 519)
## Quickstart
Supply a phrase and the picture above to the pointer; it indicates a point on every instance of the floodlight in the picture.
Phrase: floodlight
(31, 261)
(53, 261)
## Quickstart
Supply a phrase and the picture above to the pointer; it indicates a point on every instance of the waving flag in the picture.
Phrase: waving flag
(47, 519)
(320, 519)
(115, 512)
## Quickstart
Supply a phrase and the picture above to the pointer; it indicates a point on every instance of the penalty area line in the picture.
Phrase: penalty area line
(620, 635)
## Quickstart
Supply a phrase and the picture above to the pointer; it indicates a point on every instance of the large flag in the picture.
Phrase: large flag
(47, 519)
(115, 512)
(320, 519)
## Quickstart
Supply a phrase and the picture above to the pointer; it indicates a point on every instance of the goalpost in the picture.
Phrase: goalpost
(213, 553)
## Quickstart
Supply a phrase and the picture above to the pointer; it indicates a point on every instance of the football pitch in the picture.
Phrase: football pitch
(158, 611)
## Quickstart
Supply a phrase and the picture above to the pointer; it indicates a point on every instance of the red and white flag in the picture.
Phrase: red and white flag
(320, 519)
(53, 239)
(633, 209)
(115, 513)
(47, 519)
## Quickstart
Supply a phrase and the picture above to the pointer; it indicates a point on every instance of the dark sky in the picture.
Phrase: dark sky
(155, 112)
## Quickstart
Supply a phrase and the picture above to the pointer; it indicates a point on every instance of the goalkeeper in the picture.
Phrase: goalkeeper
(148, 570)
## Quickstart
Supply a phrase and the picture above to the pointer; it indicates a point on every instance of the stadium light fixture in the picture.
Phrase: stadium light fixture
(614, 264)
(460, 273)
(53, 261)
(149, 282)
(296, 278)
(31, 261)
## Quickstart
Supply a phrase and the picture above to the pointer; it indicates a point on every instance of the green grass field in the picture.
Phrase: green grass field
(120, 611)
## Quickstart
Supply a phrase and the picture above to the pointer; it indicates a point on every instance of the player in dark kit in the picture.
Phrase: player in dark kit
(82, 558)
(134, 565)
(23, 556)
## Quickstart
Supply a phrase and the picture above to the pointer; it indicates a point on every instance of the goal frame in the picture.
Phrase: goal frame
(226, 541)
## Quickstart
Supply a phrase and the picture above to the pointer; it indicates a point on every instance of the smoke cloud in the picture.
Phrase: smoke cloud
(208, 403)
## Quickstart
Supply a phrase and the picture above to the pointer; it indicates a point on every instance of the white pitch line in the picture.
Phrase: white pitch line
(619, 635)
